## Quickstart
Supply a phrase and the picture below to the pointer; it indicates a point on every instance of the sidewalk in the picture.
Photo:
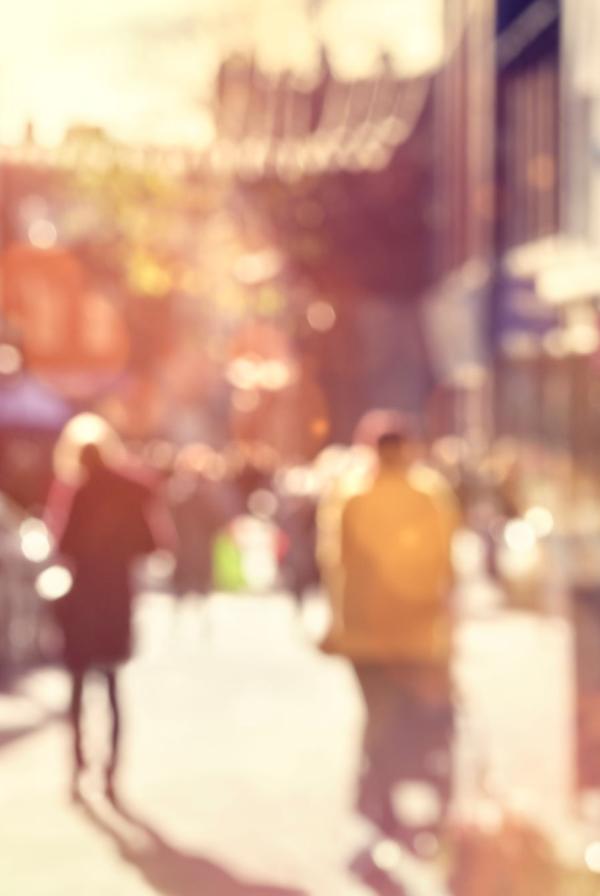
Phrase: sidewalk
(241, 744)
(241, 751)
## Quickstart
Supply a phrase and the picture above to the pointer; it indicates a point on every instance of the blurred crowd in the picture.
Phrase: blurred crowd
(399, 536)
(241, 521)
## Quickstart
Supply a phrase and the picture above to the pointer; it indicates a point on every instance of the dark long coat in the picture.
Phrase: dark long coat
(106, 526)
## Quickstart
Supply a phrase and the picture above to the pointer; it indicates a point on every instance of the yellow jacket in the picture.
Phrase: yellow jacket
(390, 588)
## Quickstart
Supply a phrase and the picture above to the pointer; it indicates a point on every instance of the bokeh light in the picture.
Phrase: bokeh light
(321, 316)
(53, 583)
(519, 535)
(42, 234)
(262, 504)
(541, 520)
(36, 544)
(592, 857)
(10, 359)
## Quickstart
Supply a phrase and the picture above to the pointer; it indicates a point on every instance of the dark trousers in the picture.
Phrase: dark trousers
(407, 737)
(75, 717)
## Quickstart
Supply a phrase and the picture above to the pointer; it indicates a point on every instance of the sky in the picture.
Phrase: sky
(144, 69)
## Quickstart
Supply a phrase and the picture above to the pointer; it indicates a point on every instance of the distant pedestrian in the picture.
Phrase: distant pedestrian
(297, 521)
(200, 509)
(105, 525)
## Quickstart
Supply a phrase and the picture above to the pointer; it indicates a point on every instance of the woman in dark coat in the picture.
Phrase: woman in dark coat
(106, 525)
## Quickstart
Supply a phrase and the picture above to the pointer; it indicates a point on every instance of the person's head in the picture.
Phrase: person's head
(91, 459)
(86, 443)
(393, 450)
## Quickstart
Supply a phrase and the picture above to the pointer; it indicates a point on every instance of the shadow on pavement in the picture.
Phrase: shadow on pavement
(11, 735)
(168, 869)
(17, 727)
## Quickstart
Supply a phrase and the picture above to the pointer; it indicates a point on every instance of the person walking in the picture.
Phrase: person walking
(393, 622)
(104, 523)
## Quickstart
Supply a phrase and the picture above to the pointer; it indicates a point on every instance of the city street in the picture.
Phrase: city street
(241, 747)
(299, 426)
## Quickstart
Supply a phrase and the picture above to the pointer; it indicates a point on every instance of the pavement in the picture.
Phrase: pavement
(241, 749)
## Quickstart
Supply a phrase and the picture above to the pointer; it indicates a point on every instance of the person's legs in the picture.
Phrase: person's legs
(406, 739)
(115, 731)
(77, 679)
(382, 739)
(378, 689)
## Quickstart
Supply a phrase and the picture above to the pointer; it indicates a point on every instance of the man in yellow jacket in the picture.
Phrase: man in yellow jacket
(391, 613)
(393, 565)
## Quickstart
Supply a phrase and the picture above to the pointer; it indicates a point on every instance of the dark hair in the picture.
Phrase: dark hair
(391, 439)
(91, 457)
